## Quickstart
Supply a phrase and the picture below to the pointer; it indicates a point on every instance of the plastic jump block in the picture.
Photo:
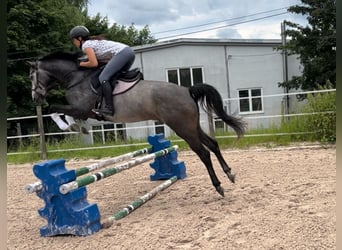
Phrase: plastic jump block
(165, 166)
(69, 214)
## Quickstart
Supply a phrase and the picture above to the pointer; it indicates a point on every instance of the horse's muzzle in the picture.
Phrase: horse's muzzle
(37, 98)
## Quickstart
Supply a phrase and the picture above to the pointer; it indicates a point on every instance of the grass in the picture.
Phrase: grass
(318, 128)
(64, 149)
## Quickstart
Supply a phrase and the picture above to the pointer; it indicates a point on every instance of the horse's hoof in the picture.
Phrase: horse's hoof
(84, 131)
(74, 128)
(107, 224)
(231, 177)
(220, 190)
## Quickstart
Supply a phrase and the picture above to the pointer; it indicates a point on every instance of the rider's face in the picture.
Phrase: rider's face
(76, 42)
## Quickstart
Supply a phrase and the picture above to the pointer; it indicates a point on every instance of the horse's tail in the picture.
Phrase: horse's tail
(211, 100)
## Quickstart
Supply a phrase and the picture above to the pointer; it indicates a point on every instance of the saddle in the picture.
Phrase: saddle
(122, 82)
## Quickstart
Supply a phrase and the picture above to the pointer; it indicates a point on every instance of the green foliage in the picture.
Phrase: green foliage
(288, 133)
(36, 28)
(130, 35)
(120, 33)
(322, 121)
(97, 25)
(315, 43)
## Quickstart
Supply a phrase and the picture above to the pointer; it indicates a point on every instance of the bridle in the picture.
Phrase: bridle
(39, 88)
(37, 82)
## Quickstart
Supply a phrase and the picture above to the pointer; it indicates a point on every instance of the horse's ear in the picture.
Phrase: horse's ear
(29, 63)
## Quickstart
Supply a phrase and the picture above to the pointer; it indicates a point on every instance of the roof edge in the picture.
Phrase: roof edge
(206, 41)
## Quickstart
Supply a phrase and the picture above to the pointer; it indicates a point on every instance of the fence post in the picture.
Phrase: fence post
(211, 124)
(19, 134)
(41, 132)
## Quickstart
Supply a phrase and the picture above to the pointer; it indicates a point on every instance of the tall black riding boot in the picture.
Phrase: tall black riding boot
(107, 90)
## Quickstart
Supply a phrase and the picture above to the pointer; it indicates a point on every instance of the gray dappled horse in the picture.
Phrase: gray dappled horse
(174, 105)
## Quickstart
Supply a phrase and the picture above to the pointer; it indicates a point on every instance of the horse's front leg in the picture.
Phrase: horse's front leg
(78, 112)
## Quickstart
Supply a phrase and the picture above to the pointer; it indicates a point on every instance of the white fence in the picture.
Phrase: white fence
(254, 120)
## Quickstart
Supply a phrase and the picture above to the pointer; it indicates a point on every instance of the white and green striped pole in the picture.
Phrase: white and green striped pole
(137, 203)
(101, 164)
(34, 187)
(67, 187)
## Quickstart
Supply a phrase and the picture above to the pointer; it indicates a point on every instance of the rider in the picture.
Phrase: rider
(117, 56)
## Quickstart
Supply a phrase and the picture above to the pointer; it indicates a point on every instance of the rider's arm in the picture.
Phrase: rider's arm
(92, 60)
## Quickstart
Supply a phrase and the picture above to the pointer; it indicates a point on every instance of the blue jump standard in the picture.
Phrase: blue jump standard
(165, 166)
(71, 214)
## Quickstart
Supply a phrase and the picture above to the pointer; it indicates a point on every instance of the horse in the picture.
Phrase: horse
(174, 105)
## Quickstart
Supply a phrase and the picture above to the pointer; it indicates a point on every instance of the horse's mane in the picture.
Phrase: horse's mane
(61, 55)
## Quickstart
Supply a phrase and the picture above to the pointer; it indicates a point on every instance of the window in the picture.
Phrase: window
(172, 76)
(250, 100)
(185, 76)
(197, 75)
(159, 127)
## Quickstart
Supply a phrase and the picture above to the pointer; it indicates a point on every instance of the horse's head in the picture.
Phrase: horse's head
(40, 80)
(45, 72)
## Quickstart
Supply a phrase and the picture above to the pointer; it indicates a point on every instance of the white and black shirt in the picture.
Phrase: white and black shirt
(104, 49)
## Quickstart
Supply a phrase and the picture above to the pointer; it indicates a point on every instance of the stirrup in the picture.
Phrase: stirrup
(102, 112)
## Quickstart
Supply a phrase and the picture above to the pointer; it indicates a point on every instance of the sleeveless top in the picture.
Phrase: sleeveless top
(104, 49)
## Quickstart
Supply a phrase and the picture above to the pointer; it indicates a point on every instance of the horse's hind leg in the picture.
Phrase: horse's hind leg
(212, 144)
(194, 141)
(187, 127)
(204, 155)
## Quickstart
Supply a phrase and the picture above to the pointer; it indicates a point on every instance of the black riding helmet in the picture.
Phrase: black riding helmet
(79, 31)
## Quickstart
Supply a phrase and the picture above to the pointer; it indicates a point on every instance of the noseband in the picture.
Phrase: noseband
(38, 83)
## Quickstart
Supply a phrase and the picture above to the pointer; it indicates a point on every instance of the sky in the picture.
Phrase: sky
(224, 19)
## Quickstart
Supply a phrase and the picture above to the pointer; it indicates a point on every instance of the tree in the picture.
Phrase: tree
(80, 4)
(315, 44)
(144, 37)
(97, 25)
(36, 28)
(130, 36)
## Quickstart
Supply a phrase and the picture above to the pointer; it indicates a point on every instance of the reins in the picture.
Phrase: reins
(66, 78)
(90, 72)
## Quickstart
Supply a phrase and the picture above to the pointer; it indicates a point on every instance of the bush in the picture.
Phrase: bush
(324, 119)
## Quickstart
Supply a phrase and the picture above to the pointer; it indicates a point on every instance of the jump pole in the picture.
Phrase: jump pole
(67, 187)
(71, 213)
(34, 187)
(137, 203)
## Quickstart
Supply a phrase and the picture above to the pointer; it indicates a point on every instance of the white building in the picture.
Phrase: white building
(244, 71)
